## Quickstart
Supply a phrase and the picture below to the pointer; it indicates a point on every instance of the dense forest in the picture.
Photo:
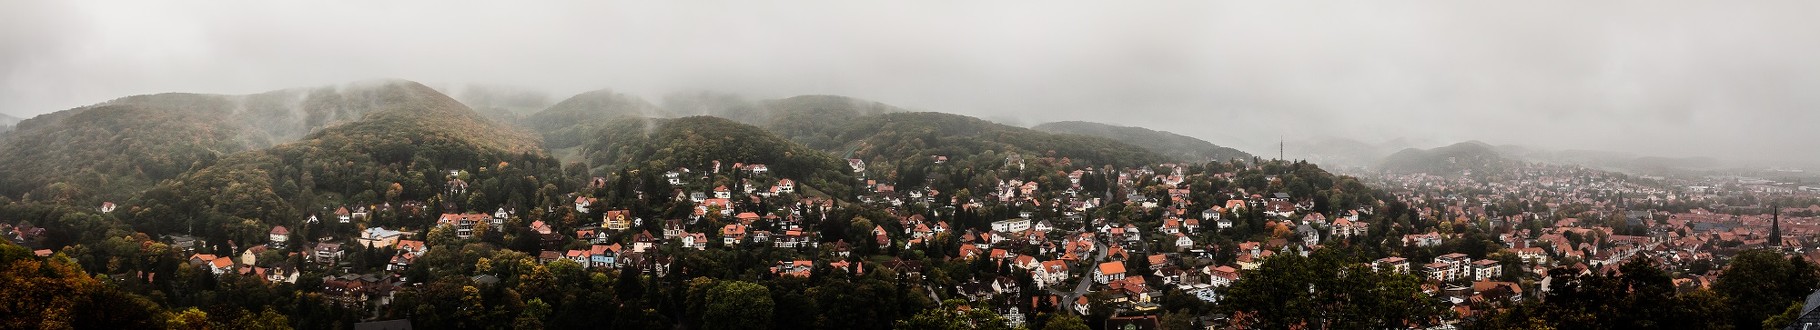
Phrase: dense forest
(576, 120)
(1173, 145)
(1449, 160)
(113, 150)
(894, 138)
(699, 142)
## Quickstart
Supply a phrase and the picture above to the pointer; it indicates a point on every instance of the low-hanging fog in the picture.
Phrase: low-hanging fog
(1671, 78)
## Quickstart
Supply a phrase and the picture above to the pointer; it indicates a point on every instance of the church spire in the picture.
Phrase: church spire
(1775, 226)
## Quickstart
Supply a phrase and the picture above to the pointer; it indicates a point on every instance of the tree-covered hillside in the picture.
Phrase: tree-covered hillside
(113, 150)
(1453, 159)
(573, 121)
(820, 120)
(696, 142)
(911, 136)
(1169, 144)
(405, 151)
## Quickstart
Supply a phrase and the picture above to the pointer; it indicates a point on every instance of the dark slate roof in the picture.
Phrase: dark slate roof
(1809, 319)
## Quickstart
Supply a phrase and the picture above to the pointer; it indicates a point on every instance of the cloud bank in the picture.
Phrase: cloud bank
(1673, 78)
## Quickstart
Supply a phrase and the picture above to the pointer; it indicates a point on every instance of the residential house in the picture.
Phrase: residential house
(697, 241)
(732, 234)
(1422, 240)
(1183, 242)
(969, 252)
(786, 186)
(879, 234)
(796, 268)
(327, 252)
(580, 257)
(221, 265)
(582, 203)
(644, 240)
(724, 206)
(348, 292)
(1221, 276)
(463, 222)
(1011, 226)
(1310, 236)
(378, 237)
(546, 235)
(1395, 264)
(603, 255)
(1451, 266)
(401, 262)
(280, 237)
(617, 220)
(412, 247)
(794, 238)
(674, 228)
(1050, 272)
(1486, 269)
(1108, 272)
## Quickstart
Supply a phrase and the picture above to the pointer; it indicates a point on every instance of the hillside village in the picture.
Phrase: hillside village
(1108, 244)
(907, 228)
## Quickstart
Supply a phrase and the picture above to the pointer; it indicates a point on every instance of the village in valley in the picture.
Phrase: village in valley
(1021, 235)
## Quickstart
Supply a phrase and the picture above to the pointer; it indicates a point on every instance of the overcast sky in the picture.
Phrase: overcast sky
(1720, 78)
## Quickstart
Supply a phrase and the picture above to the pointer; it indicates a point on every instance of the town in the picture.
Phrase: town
(1037, 236)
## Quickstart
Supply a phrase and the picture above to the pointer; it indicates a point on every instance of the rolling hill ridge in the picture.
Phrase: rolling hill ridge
(1166, 143)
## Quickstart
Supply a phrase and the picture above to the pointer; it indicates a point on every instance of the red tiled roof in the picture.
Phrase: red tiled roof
(1112, 267)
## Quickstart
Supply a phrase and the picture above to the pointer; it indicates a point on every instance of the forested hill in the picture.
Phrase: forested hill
(1169, 144)
(912, 136)
(819, 120)
(403, 151)
(839, 126)
(501, 103)
(573, 121)
(115, 149)
(1453, 159)
(696, 142)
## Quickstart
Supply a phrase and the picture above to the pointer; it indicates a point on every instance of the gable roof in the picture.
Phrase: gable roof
(1112, 267)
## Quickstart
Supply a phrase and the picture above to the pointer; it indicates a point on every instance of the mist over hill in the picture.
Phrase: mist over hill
(402, 149)
(7, 122)
(1475, 155)
(838, 125)
(1464, 157)
(114, 149)
(1169, 144)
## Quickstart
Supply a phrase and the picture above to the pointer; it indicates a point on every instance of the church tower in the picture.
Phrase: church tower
(1775, 227)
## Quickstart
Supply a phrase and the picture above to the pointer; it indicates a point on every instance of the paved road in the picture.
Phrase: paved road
(1086, 282)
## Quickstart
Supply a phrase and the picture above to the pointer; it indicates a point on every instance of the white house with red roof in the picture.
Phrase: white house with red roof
(1109, 271)
(786, 186)
(280, 236)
